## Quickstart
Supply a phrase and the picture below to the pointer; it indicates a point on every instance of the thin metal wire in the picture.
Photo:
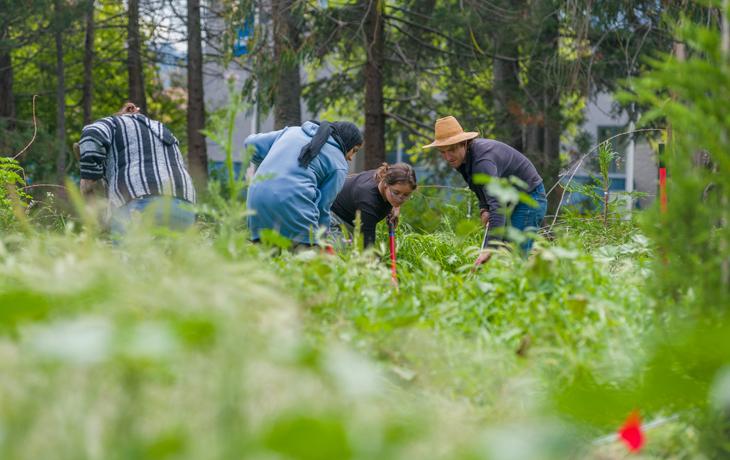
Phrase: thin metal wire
(35, 131)
(580, 162)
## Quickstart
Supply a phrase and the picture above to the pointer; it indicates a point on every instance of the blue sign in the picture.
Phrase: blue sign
(243, 35)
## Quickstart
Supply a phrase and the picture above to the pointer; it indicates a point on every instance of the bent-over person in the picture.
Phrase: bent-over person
(138, 160)
(472, 155)
(377, 194)
(300, 171)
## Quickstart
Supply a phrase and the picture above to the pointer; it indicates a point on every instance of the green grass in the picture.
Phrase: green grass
(206, 346)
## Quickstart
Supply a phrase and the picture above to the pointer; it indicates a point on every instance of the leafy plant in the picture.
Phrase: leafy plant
(13, 199)
(222, 124)
(684, 368)
(606, 155)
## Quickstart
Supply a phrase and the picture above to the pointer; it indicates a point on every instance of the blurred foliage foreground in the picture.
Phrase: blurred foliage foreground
(206, 346)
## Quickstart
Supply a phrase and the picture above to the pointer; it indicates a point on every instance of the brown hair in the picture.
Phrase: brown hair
(127, 109)
(397, 173)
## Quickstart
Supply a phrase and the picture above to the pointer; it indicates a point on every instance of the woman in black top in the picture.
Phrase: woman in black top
(377, 194)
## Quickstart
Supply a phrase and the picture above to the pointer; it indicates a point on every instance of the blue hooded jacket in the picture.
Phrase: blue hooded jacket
(286, 197)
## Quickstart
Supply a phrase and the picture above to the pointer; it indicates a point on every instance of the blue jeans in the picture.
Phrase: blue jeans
(525, 217)
(165, 211)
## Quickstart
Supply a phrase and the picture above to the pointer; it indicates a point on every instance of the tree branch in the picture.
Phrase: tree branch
(409, 124)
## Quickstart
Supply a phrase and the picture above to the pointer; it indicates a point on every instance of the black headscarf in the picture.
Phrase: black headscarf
(345, 133)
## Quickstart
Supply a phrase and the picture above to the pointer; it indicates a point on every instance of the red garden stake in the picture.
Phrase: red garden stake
(663, 189)
(391, 236)
(631, 434)
(662, 180)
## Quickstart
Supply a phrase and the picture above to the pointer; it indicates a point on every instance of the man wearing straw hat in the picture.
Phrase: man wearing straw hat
(471, 155)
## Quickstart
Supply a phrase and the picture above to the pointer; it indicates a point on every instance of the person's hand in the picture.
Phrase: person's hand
(393, 216)
(484, 215)
(250, 172)
(483, 258)
(77, 151)
(91, 189)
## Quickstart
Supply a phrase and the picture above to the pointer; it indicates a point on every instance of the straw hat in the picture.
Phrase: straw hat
(448, 131)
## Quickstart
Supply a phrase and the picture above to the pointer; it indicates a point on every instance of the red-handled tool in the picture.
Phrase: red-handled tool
(391, 236)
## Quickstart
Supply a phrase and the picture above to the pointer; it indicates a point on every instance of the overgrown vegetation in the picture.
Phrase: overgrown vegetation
(302, 355)
(306, 355)
(203, 345)
(12, 197)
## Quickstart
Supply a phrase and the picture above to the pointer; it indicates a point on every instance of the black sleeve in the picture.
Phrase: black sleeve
(488, 202)
(367, 228)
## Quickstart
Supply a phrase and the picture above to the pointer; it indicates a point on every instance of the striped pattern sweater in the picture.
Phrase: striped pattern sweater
(137, 156)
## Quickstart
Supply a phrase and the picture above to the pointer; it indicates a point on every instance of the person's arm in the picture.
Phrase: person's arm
(329, 189)
(484, 215)
(261, 143)
(93, 148)
(394, 216)
(490, 208)
(367, 227)
(92, 188)
(491, 214)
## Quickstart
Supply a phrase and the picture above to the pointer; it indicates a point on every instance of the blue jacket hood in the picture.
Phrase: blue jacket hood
(310, 130)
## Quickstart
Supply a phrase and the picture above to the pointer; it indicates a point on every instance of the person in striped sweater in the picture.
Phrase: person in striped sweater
(139, 164)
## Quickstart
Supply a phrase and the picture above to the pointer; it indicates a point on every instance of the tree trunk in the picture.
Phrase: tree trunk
(7, 100)
(550, 168)
(533, 142)
(87, 93)
(509, 112)
(134, 58)
(374, 108)
(679, 51)
(510, 117)
(60, 97)
(542, 98)
(288, 87)
(197, 154)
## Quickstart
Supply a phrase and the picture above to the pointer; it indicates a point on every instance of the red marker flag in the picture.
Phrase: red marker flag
(631, 434)
(663, 189)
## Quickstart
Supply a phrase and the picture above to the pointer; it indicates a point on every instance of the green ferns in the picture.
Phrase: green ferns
(12, 197)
